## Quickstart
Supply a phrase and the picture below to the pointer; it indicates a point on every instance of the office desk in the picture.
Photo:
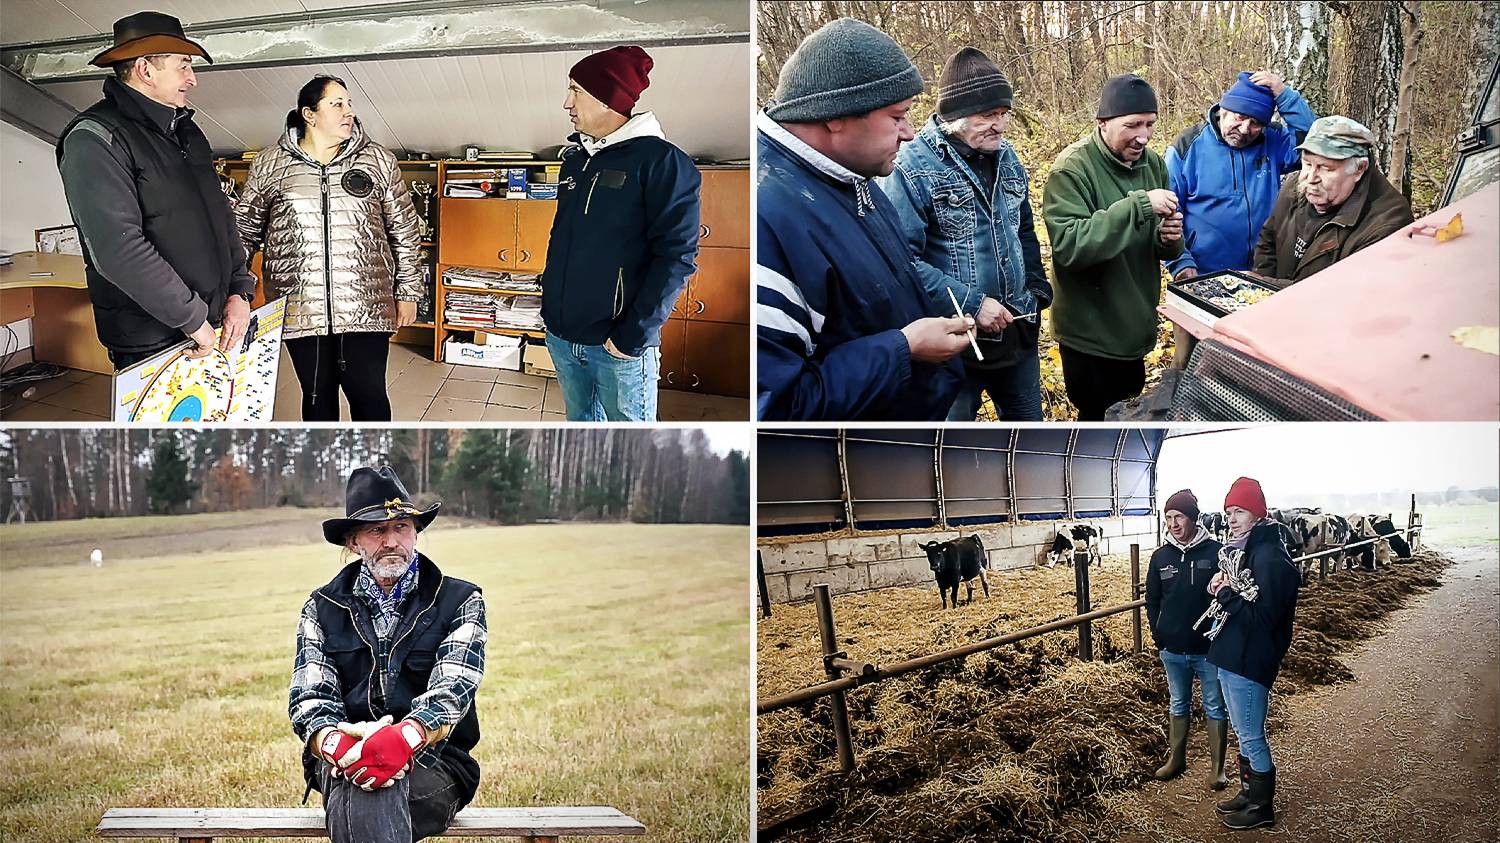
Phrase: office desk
(62, 318)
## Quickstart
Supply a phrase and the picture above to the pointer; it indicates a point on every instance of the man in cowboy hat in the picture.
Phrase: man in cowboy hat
(160, 249)
(390, 638)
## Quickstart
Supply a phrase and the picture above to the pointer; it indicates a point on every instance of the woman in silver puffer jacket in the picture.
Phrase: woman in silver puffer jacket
(340, 237)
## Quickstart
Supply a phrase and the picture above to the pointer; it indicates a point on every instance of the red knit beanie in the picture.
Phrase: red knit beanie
(614, 77)
(1246, 494)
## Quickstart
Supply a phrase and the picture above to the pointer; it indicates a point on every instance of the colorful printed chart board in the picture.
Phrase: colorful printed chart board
(234, 386)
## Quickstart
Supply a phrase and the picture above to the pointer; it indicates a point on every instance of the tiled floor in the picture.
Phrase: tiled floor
(420, 389)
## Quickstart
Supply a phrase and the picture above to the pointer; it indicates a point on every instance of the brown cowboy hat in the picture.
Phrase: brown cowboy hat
(148, 34)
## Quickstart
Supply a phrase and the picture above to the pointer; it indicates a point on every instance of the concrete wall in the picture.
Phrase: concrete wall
(863, 562)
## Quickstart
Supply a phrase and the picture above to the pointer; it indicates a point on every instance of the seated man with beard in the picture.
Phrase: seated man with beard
(392, 639)
(1338, 204)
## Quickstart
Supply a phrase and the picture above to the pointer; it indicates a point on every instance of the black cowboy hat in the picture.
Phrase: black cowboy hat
(148, 34)
(374, 496)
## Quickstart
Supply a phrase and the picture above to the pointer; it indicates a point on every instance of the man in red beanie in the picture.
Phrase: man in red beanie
(1255, 603)
(623, 242)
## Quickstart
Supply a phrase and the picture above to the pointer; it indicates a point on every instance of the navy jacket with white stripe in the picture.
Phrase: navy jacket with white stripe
(834, 287)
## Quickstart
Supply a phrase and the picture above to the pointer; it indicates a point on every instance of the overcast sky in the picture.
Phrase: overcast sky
(1292, 460)
(728, 437)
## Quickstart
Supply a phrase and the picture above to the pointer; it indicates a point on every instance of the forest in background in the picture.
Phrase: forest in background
(665, 476)
(1411, 70)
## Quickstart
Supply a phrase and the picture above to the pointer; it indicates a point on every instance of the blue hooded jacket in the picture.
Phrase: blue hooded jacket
(1226, 194)
(834, 286)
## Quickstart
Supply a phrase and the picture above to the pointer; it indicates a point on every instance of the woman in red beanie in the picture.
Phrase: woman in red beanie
(1255, 593)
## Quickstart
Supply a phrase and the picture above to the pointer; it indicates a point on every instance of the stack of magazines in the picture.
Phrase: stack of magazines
(491, 279)
(469, 309)
(520, 312)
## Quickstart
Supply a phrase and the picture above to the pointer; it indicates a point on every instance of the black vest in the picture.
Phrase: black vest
(350, 641)
(184, 215)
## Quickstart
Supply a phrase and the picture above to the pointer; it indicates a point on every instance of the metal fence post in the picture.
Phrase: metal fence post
(1081, 589)
(1135, 594)
(841, 735)
(765, 596)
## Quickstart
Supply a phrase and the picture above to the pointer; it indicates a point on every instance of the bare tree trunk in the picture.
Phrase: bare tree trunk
(1369, 64)
(1298, 48)
(1411, 36)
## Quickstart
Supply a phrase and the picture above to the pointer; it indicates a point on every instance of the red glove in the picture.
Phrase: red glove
(339, 749)
(386, 754)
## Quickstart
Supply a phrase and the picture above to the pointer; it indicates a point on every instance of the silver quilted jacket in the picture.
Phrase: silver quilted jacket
(340, 241)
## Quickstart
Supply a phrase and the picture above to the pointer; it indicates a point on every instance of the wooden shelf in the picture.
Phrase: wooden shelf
(509, 332)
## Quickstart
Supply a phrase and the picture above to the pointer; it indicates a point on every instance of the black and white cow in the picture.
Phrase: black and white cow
(1375, 554)
(1288, 530)
(1385, 527)
(1214, 523)
(960, 560)
(1074, 538)
(1317, 533)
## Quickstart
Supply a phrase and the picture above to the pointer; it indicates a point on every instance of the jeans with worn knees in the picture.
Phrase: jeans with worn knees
(1247, 701)
(1181, 669)
(598, 386)
(418, 806)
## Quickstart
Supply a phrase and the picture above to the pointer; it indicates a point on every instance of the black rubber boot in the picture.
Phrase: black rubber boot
(1176, 750)
(1243, 798)
(1218, 742)
(1259, 812)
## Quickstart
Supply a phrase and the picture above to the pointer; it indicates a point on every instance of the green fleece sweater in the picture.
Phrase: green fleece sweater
(1105, 250)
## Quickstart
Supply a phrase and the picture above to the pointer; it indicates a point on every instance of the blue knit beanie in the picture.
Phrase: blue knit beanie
(1249, 99)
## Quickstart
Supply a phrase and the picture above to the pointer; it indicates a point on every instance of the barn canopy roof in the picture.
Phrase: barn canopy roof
(811, 480)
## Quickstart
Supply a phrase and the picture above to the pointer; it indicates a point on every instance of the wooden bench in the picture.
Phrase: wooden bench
(201, 825)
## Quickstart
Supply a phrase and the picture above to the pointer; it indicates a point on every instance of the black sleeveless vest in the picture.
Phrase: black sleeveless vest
(184, 215)
(350, 641)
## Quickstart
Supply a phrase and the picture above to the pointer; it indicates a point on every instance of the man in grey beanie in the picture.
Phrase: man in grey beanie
(845, 330)
(965, 208)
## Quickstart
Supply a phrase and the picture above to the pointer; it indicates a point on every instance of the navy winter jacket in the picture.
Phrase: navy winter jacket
(1177, 594)
(623, 243)
(834, 287)
(1257, 633)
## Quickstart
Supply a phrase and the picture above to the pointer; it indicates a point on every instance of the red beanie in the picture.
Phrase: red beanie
(1246, 494)
(614, 77)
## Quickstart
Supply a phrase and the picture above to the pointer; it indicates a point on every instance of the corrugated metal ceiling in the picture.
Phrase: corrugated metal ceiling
(513, 100)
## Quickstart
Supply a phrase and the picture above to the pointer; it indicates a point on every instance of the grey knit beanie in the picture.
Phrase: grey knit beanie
(848, 67)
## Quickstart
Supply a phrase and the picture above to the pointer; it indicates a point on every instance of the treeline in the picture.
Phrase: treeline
(1411, 70)
(509, 476)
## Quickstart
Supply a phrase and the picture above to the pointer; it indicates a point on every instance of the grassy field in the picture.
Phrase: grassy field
(1458, 525)
(617, 669)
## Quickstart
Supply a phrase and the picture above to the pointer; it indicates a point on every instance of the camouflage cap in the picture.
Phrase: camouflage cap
(1338, 137)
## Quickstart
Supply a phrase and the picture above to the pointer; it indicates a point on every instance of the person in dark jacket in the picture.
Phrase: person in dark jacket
(391, 757)
(1338, 204)
(1175, 598)
(161, 253)
(965, 207)
(845, 330)
(623, 242)
(1255, 595)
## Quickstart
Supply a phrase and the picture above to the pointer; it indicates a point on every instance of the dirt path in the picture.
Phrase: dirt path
(1408, 751)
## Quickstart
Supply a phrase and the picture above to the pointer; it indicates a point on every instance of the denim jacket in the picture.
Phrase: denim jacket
(963, 237)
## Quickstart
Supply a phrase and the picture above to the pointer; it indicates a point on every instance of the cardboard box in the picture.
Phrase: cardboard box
(541, 191)
(493, 351)
(538, 361)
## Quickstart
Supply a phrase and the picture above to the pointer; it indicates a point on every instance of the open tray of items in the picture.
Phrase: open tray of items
(1207, 298)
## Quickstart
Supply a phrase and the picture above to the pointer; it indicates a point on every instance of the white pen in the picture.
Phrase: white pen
(959, 313)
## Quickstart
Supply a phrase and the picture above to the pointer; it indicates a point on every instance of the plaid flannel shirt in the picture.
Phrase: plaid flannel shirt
(316, 700)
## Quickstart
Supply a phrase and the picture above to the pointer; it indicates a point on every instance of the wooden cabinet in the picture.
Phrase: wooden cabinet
(533, 230)
(705, 344)
(496, 233)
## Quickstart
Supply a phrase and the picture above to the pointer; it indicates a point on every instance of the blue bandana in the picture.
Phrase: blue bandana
(387, 607)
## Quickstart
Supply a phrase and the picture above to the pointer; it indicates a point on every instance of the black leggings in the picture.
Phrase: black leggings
(354, 361)
(1093, 383)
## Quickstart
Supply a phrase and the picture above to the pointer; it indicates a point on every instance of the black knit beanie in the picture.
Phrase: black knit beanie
(971, 84)
(1126, 94)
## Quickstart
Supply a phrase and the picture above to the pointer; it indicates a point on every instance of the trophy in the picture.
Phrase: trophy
(227, 183)
(422, 198)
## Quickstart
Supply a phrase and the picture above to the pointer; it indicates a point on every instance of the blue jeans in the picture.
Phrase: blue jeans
(598, 386)
(1248, 701)
(1180, 671)
(1016, 391)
